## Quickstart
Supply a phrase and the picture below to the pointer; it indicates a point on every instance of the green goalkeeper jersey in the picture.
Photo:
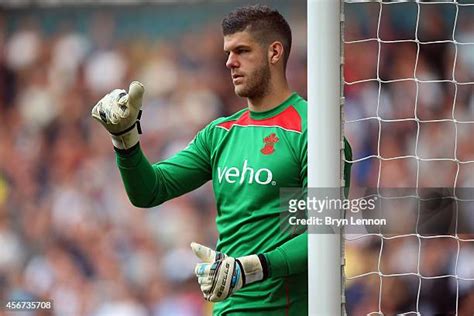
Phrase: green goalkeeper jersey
(248, 156)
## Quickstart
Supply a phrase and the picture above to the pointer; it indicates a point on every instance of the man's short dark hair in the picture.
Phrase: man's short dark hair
(266, 25)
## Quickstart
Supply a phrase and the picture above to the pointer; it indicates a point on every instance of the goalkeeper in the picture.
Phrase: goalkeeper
(257, 269)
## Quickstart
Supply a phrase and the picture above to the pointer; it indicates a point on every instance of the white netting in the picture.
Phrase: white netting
(409, 89)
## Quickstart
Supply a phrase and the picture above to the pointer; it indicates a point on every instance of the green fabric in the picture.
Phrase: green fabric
(290, 258)
(248, 157)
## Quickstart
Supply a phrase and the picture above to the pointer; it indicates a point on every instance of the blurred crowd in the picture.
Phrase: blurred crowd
(68, 232)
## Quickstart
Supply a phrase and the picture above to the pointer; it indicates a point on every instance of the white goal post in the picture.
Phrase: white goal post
(324, 149)
(453, 88)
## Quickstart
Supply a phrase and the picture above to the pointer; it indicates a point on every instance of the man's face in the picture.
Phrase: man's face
(248, 64)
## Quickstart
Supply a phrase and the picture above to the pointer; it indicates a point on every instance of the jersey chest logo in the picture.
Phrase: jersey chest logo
(269, 147)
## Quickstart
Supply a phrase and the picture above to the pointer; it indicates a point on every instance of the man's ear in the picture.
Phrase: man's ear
(275, 52)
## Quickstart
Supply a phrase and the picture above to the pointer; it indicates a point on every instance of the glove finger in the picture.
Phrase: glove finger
(213, 298)
(101, 113)
(203, 280)
(135, 94)
(206, 288)
(108, 108)
(117, 102)
(202, 269)
(115, 96)
(95, 113)
(202, 252)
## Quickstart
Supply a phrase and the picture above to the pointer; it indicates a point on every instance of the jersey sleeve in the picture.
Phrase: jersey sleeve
(304, 163)
(292, 256)
(148, 185)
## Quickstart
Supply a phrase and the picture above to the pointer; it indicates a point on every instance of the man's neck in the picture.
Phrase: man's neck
(271, 100)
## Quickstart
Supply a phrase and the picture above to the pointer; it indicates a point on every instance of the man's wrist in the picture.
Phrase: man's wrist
(277, 263)
(127, 140)
(265, 265)
(127, 152)
(254, 268)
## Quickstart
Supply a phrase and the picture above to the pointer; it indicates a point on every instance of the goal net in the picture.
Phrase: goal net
(409, 115)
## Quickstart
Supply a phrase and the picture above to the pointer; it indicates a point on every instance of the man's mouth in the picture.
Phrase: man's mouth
(237, 78)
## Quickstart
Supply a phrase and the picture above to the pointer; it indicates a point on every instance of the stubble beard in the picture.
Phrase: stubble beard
(257, 83)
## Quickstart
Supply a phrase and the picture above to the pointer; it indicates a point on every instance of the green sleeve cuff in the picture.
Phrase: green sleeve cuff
(277, 263)
(130, 158)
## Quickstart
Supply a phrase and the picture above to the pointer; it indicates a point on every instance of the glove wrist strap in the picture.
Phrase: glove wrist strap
(127, 139)
(253, 268)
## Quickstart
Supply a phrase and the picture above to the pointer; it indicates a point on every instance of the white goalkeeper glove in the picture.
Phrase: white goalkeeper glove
(119, 112)
(220, 275)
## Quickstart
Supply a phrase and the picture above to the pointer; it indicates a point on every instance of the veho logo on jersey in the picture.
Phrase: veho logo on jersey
(247, 174)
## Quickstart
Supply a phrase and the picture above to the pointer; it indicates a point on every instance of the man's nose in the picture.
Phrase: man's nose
(232, 61)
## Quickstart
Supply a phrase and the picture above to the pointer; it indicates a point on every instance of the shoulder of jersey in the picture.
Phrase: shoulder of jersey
(301, 106)
(224, 119)
(292, 119)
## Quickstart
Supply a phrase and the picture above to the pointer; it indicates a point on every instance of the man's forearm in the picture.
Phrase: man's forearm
(138, 177)
(289, 258)
(148, 185)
